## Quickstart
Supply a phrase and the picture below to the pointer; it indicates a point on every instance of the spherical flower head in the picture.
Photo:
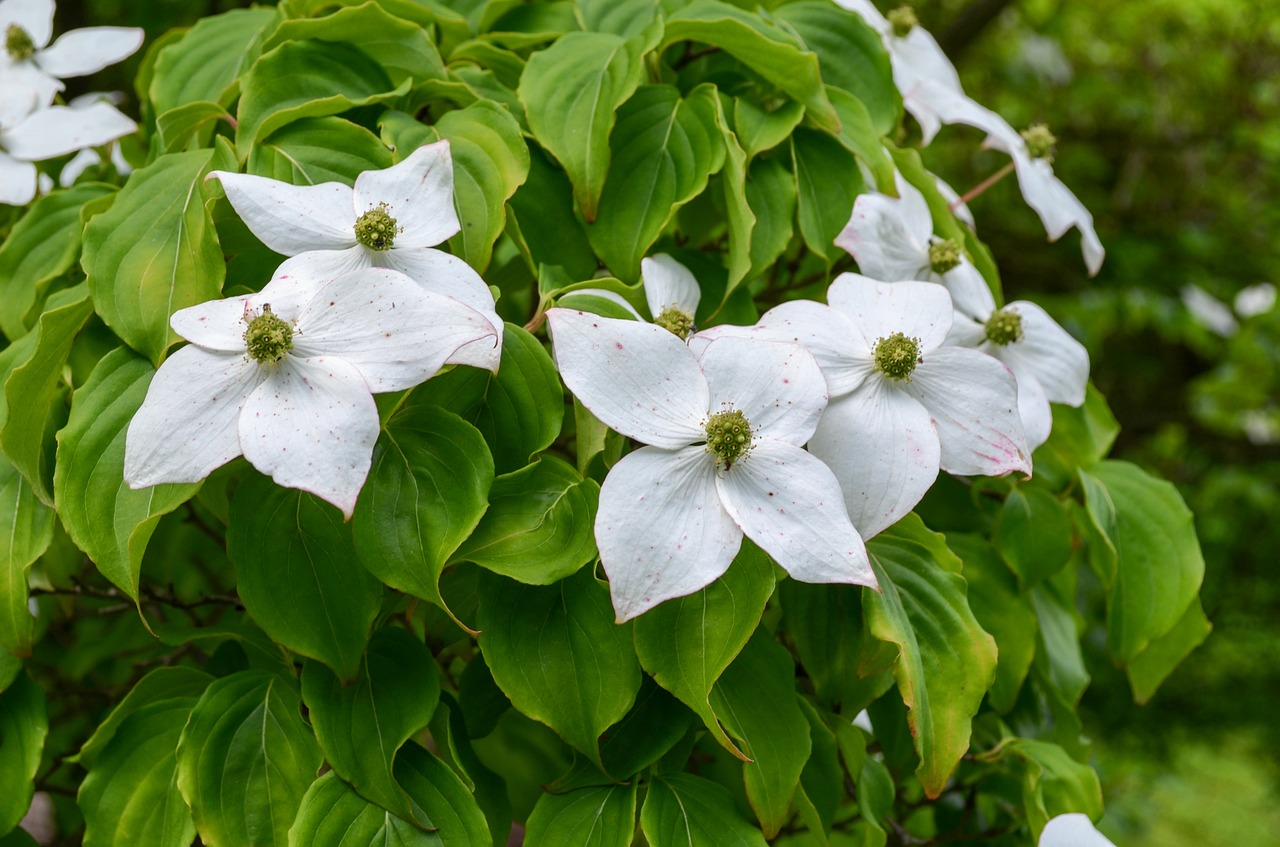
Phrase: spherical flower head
(1041, 143)
(1004, 327)
(896, 356)
(676, 321)
(376, 229)
(944, 255)
(903, 19)
(728, 436)
(18, 43)
(267, 338)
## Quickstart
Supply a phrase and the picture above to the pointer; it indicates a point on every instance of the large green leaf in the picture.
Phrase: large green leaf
(104, 516)
(1150, 667)
(155, 251)
(1034, 534)
(335, 815)
(858, 135)
(24, 723)
(598, 816)
(827, 183)
(245, 759)
(1081, 438)
(682, 810)
(946, 661)
(1158, 566)
(315, 150)
(541, 220)
(43, 245)
(538, 528)
(361, 727)
(687, 642)
(175, 682)
(771, 193)
(571, 92)
(663, 150)
(188, 126)
(825, 623)
(441, 800)
(1052, 782)
(557, 654)
(1058, 653)
(452, 26)
(206, 63)
(426, 491)
(26, 528)
(297, 573)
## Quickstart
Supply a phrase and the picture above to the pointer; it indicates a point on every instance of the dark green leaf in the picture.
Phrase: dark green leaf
(542, 221)
(1053, 783)
(682, 810)
(600, 816)
(827, 183)
(1034, 534)
(28, 529)
(24, 722)
(758, 128)
(440, 799)
(165, 683)
(1154, 664)
(334, 815)
(771, 193)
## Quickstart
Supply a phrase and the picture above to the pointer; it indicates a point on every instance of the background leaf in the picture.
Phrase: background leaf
(24, 723)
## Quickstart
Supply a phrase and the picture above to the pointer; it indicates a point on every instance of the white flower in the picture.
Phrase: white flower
(724, 431)
(1255, 300)
(1072, 830)
(902, 404)
(1209, 311)
(30, 63)
(89, 157)
(285, 377)
(1049, 364)
(670, 290)
(393, 218)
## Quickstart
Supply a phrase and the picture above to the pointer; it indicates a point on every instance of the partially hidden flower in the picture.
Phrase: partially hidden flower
(903, 404)
(392, 218)
(724, 432)
(286, 377)
(1072, 830)
(670, 290)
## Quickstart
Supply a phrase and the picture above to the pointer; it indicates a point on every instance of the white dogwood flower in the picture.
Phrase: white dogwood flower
(392, 218)
(724, 432)
(903, 405)
(670, 291)
(286, 377)
(1072, 830)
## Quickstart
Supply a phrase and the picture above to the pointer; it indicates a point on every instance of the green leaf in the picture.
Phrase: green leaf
(154, 252)
(827, 183)
(42, 246)
(315, 150)
(453, 745)
(759, 128)
(946, 661)
(1081, 438)
(599, 816)
(682, 810)
(825, 623)
(557, 654)
(335, 815)
(571, 92)
(297, 573)
(31, 388)
(756, 699)
(206, 63)
(861, 138)
(1158, 567)
(440, 799)
(775, 54)
(741, 220)
(1154, 664)
(104, 516)
(28, 529)
(771, 194)
(245, 759)
(821, 782)
(307, 79)
(519, 410)
(1052, 783)
(1058, 652)
(875, 795)
(452, 26)
(361, 727)
(541, 220)
(426, 491)
(130, 795)
(24, 723)
(164, 683)
(687, 642)
(621, 17)
(187, 125)
(538, 528)
(663, 150)
(1034, 534)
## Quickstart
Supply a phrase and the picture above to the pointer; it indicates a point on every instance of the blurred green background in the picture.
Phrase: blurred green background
(1168, 119)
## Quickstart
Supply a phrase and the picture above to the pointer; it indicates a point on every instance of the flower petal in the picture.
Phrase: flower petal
(1058, 207)
(777, 385)
(884, 450)
(292, 219)
(970, 293)
(312, 424)
(89, 50)
(838, 346)
(383, 323)
(955, 203)
(58, 130)
(17, 181)
(1072, 830)
(636, 377)
(788, 502)
(26, 88)
(669, 283)
(310, 271)
(35, 16)
(1033, 409)
(920, 310)
(884, 239)
(216, 324)
(418, 193)
(1050, 354)
(661, 529)
(973, 401)
(186, 426)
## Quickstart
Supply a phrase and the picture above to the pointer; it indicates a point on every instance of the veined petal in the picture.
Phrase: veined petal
(1072, 830)
(58, 130)
(17, 181)
(35, 16)
(884, 450)
(186, 426)
(920, 57)
(788, 502)
(636, 377)
(669, 283)
(1048, 352)
(973, 401)
(89, 50)
(216, 324)
(418, 193)
(777, 385)
(661, 529)
(1058, 207)
(838, 346)
(968, 332)
(394, 333)
(969, 291)
(312, 424)
(292, 219)
(1033, 408)
(920, 310)
(310, 271)
(879, 236)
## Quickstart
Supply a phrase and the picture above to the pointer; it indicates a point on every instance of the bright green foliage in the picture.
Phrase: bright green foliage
(30, 526)
(593, 817)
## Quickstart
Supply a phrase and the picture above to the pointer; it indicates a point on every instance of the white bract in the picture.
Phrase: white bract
(286, 377)
(902, 404)
(670, 291)
(1072, 830)
(724, 432)
(392, 218)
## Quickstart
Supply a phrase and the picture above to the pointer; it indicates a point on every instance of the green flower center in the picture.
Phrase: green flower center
(1041, 143)
(18, 43)
(1004, 327)
(376, 229)
(268, 338)
(676, 321)
(944, 254)
(903, 19)
(728, 436)
(897, 356)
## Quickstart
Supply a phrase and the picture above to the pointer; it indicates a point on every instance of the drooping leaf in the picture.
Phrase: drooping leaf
(598, 816)
(440, 798)
(1058, 651)
(24, 723)
(1153, 665)
(759, 128)
(1052, 782)
(206, 62)
(28, 529)
(682, 810)
(861, 139)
